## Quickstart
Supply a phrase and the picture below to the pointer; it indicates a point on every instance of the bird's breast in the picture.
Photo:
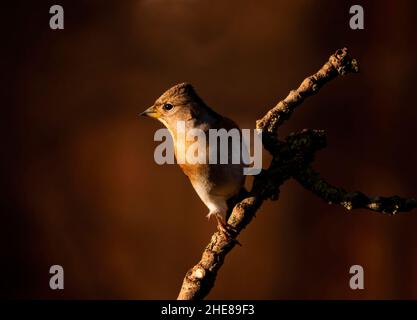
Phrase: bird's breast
(215, 178)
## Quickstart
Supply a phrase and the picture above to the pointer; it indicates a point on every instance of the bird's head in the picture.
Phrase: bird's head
(179, 103)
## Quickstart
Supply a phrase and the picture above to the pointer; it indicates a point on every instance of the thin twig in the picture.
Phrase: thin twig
(311, 180)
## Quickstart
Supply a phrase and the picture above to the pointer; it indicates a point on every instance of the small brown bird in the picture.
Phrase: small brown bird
(216, 184)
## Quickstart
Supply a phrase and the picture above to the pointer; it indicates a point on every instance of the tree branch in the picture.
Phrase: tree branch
(290, 158)
(311, 180)
(339, 63)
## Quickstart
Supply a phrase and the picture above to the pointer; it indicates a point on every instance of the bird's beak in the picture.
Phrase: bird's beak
(151, 112)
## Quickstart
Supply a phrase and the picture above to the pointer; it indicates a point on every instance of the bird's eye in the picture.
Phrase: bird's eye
(168, 106)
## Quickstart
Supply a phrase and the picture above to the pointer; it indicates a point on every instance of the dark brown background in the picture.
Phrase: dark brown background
(80, 187)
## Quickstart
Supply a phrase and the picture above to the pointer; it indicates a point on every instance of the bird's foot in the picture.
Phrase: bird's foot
(227, 230)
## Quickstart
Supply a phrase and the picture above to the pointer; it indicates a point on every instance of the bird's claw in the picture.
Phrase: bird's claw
(228, 231)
